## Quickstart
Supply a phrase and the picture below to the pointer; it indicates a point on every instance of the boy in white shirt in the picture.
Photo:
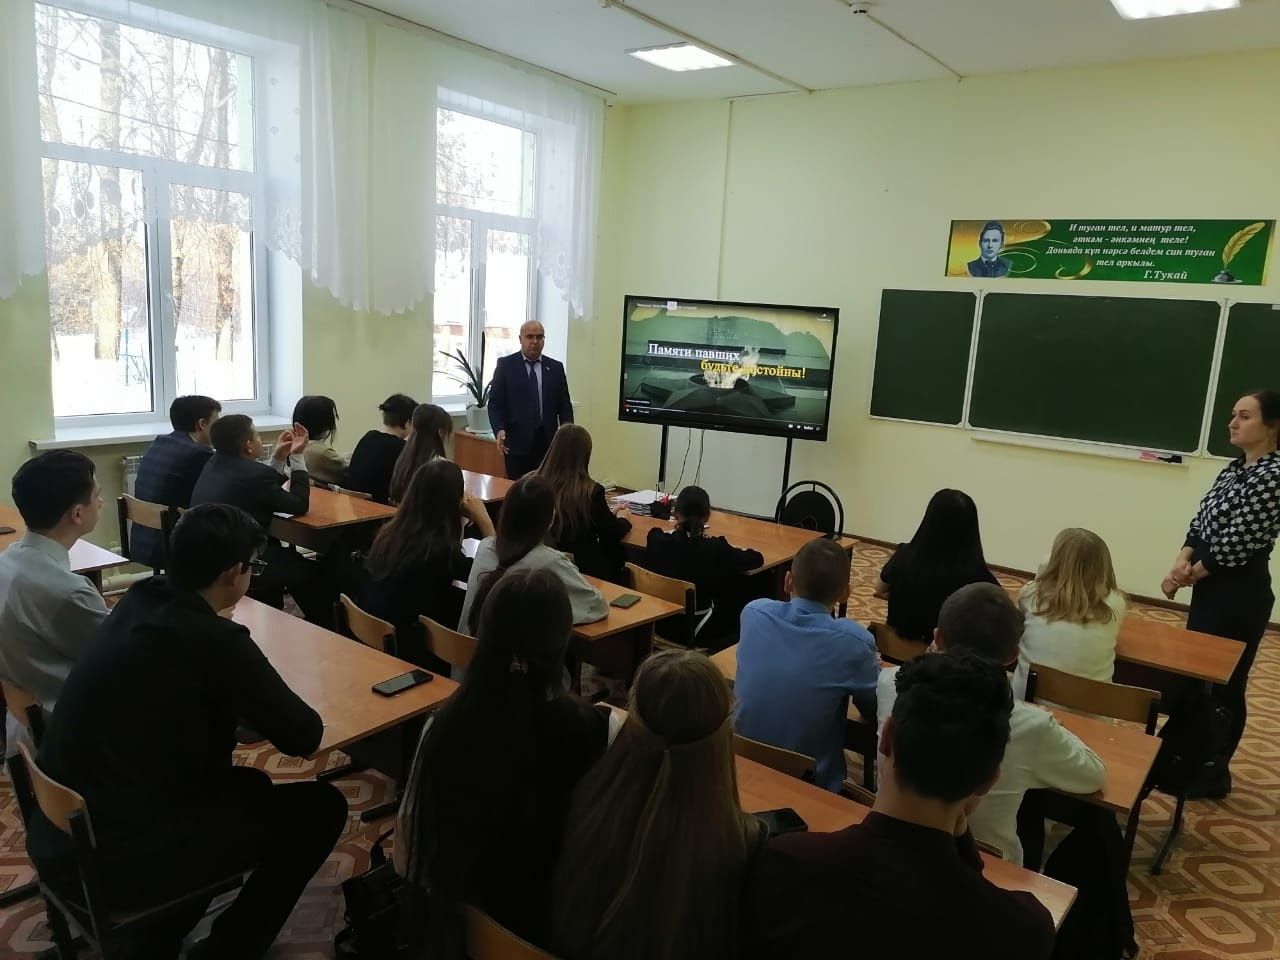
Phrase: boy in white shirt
(1041, 753)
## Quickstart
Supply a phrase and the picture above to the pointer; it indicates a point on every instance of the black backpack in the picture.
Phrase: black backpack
(1092, 859)
(1194, 734)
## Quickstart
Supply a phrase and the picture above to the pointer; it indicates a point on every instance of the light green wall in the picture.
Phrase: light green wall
(831, 197)
(26, 394)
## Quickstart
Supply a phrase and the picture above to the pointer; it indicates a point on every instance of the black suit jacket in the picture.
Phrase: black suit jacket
(167, 475)
(999, 267)
(147, 719)
(253, 487)
(511, 402)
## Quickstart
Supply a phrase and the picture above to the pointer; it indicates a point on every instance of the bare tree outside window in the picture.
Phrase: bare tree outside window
(149, 192)
(484, 235)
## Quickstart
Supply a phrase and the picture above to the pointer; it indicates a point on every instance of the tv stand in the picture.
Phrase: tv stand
(662, 463)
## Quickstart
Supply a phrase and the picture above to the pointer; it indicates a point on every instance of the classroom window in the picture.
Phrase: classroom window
(152, 197)
(485, 230)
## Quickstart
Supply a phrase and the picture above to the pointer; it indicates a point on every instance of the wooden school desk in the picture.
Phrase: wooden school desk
(473, 451)
(620, 642)
(334, 675)
(87, 558)
(1127, 753)
(1171, 648)
(777, 543)
(486, 486)
(329, 517)
(761, 788)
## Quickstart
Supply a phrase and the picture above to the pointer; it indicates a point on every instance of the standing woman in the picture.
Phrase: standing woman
(1224, 560)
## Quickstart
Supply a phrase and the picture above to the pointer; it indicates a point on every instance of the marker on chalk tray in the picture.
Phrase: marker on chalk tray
(1161, 457)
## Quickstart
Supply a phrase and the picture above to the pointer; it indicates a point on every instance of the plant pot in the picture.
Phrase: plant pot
(478, 420)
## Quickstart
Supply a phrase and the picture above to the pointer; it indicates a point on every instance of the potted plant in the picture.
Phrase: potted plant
(473, 379)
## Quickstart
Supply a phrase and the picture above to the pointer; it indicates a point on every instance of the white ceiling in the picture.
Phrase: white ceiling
(820, 44)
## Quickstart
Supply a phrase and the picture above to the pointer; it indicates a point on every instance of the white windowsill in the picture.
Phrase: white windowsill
(124, 433)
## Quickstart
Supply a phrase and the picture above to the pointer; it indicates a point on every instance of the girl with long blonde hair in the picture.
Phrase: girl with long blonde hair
(657, 847)
(1073, 610)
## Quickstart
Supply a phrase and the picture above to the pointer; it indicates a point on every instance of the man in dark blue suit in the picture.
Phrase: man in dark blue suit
(528, 402)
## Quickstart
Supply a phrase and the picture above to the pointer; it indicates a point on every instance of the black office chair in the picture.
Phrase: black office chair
(812, 505)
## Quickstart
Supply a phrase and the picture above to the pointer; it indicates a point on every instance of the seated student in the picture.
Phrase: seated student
(528, 511)
(585, 526)
(233, 475)
(319, 415)
(418, 554)
(657, 849)
(710, 563)
(1042, 754)
(485, 803)
(145, 732)
(798, 665)
(432, 426)
(48, 615)
(374, 458)
(943, 556)
(170, 468)
(907, 882)
(1073, 611)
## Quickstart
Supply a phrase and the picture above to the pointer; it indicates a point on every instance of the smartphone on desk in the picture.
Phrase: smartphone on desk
(782, 821)
(623, 601)
(389, 688)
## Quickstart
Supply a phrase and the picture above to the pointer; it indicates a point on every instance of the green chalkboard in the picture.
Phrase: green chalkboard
(922, 355)
(1250, 361)
(1115, 370)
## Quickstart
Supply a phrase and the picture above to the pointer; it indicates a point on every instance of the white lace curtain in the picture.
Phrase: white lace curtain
(347, 146)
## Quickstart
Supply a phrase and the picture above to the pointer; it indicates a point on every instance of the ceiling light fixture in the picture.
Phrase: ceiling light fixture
(1146, 9)
(680, 57)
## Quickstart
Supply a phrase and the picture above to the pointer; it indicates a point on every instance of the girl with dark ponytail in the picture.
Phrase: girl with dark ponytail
(711, 564)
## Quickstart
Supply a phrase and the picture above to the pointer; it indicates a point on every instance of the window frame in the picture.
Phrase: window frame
(481, 223)
(158, 175)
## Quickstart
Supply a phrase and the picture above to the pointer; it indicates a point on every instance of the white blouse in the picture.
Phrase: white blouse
(1085, 649)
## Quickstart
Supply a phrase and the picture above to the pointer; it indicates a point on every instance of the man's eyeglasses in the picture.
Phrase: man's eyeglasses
(256, 567)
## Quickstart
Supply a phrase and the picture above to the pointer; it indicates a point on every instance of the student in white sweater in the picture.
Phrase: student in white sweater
(1073, 611)
(1041, 753)
(528, 511)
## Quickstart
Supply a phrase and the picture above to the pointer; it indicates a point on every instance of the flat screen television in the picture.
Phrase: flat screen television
(723, 365)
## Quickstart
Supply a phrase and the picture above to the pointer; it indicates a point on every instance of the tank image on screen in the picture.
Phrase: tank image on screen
(743, 367)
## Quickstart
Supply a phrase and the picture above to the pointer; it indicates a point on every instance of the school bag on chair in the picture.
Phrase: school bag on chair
(1092, 859)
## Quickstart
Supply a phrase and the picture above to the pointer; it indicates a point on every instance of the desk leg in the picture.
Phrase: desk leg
(19, 894)
(1169, 837)
(95, 577)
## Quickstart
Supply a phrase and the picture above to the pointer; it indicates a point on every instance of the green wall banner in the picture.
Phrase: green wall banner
(1145, 251)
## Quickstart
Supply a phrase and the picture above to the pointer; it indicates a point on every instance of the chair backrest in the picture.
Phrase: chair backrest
(784, 761)
(489, 940)
(454, 648)
(358, 494)
(664, 588)
(155, 516)
(816, 508)
(895, 649)
(57, 802)
(857, 793)
(1135, 704)
(25, 709)
(680, 592)
(370, 630)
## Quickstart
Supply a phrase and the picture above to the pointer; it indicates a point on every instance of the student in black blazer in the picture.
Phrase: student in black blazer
(585, 526)
(717, 568)
(234, 475)
(170, 468)
(144, 731)
(528, 402)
